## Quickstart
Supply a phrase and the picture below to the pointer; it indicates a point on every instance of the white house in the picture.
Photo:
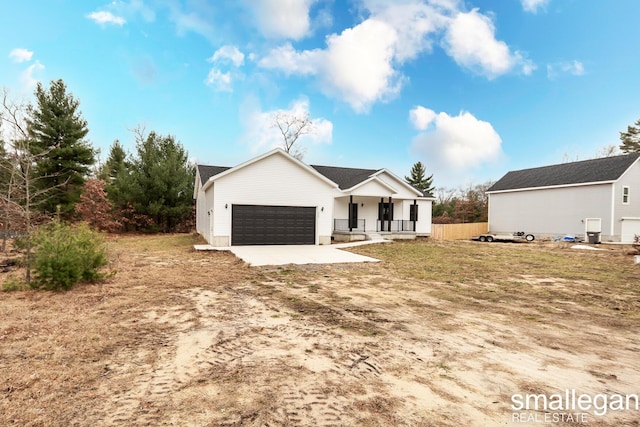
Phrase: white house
(578, 198)
(277, 199)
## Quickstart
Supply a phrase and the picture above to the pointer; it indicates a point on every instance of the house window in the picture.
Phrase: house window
(413, 212)
(625, 195)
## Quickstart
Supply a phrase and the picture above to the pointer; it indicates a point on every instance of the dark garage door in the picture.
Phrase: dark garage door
(273, 225)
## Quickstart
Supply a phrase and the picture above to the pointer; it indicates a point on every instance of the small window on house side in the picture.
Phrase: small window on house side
(625, 195)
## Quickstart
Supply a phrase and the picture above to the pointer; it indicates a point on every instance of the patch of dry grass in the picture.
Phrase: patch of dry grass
(64, 356)
(551, 280)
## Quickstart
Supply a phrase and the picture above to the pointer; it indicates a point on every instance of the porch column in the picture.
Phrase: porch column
(390, 212)
(415, 214)
(381, 213)
(350, 213)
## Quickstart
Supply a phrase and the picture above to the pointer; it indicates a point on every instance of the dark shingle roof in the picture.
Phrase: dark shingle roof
(595, 170)
(345, 177)
(207, 172)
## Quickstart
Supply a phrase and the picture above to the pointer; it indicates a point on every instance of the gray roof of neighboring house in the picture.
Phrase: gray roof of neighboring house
(207, 172)
(586, 171)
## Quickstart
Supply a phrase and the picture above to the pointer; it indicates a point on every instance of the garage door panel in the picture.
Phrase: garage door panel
(273, 225)
(630, 227)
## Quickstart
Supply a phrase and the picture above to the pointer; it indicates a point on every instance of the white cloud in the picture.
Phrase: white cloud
(288, 60)
(28, 77)
(21, 55)
(533, 6)
(421, 117)
(414, 22)
(356, 66)
(228, 53)
(104, 18)
(362, 65)
(282, 18)
(219, 81)
(454, 143)
(574, 68)
(470, 40)
(261, 134)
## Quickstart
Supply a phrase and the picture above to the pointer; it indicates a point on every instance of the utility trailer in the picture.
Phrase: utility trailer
(518, 236)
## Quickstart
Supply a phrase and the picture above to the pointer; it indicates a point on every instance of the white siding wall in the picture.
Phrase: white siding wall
(202, 219)
(423, 226)
(200, 205)
(555, 211)
(276, 181)
(402, 191)
(630, 179)
(367, 210)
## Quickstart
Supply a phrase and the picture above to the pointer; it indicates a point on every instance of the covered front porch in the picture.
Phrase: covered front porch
(369, 217)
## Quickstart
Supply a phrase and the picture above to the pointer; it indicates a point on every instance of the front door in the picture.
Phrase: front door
(353, 215)
(385, 215)
(385, 211)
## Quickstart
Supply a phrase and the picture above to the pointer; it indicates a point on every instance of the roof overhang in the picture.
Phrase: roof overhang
(401, 182)
(581, 184)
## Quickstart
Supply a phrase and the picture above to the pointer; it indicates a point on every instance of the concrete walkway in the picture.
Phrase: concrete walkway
(257, 256)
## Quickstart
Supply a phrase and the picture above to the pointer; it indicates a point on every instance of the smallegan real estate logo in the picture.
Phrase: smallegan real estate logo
(569, 406)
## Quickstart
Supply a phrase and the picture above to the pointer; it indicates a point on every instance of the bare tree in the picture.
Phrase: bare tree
(19, 193)
(292, 127)
(608, 151)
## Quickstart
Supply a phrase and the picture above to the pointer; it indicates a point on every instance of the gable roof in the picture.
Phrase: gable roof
(348, 178)
(607, 169)
(345, 177)
(274, 152)
(207, 172)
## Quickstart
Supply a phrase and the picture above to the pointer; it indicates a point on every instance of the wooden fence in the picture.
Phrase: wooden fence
(458, 231)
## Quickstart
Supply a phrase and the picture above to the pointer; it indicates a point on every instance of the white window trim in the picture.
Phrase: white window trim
(627, 195)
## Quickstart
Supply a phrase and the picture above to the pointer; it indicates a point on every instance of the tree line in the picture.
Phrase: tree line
(451, 205)
(48, 168)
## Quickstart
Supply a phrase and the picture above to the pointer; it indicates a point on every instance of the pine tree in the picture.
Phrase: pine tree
(417, 179)
(57, 130)
(156, 184)
(631, 139)
(116, 163)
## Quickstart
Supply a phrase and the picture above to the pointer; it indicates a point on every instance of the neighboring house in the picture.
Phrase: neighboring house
(277, 199)
(578, 198)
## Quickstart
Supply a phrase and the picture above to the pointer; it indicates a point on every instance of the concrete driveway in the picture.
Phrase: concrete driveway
(299, 254)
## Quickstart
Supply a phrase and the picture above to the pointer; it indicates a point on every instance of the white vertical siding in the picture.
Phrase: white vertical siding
(423, 226)
(276, 181)
(551, 211)
(630, 179)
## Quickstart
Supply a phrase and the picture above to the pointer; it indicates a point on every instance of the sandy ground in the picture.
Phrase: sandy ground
(199, 339)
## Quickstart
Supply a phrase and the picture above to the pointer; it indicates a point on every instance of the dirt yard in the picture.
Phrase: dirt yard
(436, 334)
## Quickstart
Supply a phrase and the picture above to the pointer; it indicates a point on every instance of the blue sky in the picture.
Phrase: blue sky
(470, 88)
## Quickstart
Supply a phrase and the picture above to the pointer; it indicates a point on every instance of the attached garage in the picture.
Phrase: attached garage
(630, 227)
(273, 225)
